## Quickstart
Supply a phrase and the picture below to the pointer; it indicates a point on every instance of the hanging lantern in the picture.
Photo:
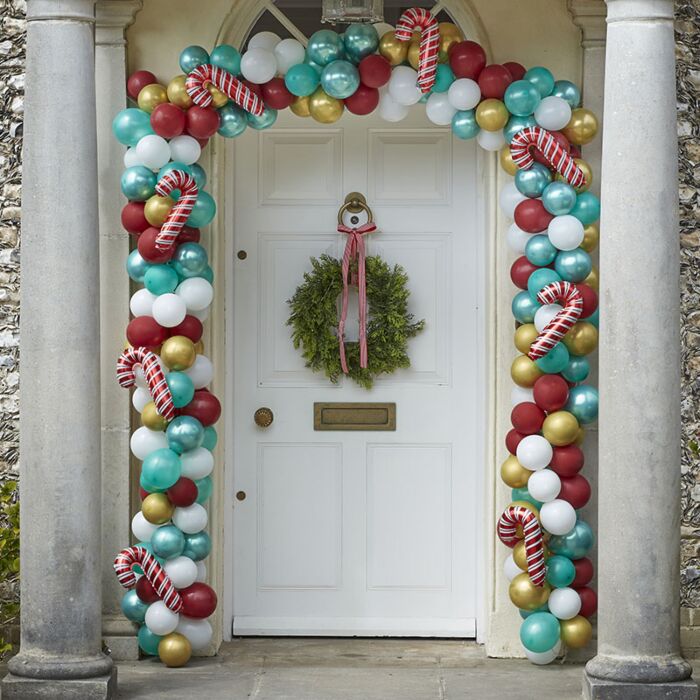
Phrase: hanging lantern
(348, 11)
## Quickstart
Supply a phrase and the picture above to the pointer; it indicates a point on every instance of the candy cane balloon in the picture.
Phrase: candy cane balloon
(178, 215)
(155, 378)
(536, 137)
(124, 568)
(234, 89)
(429, 42)
(513, 516)
(563, 293)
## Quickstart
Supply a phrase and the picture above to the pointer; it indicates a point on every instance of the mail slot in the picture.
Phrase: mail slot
(354, 416)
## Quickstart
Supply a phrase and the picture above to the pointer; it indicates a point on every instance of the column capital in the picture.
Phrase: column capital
(112, 17)
(640, 10)
(66, 11)
(589, 17)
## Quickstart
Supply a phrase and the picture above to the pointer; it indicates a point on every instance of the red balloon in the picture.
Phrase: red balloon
(254, 87)
(202, 142)
(520, 270)
(375, 71)
(168, 120)
(575, 151)
(143, 493)
(531, 216)
(205, 407)
(139, 80)
(551, 392)
(493, 81)
(183, 492)
(576, 490)
(145, 591)
(202, 122)
(590, 299)
(144, 331)
(191, 328)
(516, 70)
(147, 247)
(364, 100)
(188, 235)
(198, 600)
(527, 418)
(560, 139)
(513, 438)
(567, 461)
(276, 95)
(133, 219)
(589, 601)
(467, 59)
(584, 572)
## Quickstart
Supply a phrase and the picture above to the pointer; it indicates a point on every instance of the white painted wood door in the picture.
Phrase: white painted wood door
(357, 533)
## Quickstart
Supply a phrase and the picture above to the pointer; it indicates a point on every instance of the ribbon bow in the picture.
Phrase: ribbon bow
(354, 249)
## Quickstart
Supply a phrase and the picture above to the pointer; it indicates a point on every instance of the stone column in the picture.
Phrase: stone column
(639, 481)
(60, 654)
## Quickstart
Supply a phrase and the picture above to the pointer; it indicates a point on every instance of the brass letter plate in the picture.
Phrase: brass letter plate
(354, 416)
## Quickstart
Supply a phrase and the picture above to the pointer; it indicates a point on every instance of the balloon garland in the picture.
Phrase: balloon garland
(536, 124)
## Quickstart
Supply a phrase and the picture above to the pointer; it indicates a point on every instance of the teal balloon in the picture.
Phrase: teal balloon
(192, 57)
(138, 183)
(189, 260)
(540, 251)
(533, 181)
(555, 360)
(524, 307)
(324, 47)
(301, 80)
(464, 124)
(559, 198)
(521, 98)
(340, 79)
(587, 208)
(204, 489)
(131, 125)
(594, 318)
(424, 98)
(203, 212)
(568, 91)
(524, 495)
(444, 77)
(199, 175)
(208, 274)
(360, 40)
(560, 571)
(133, 607)
(184, 433)
(540, 279)
(161, 469)
(227, 57)
(315, 66)
(577, 370)
(574, 544)
(197, 546)
(136, 266)
(232, 121)
(168, 541)
(160, 279)
(264, 121)
(181, 387)
(526, 613)
(148, 547)
(573, 265)
(542, 79)
(210, 438)
(516, 124)
(539, 632)
(583, 403)
(148, 642)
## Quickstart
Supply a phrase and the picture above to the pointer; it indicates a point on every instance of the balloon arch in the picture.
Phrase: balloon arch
(537, 126)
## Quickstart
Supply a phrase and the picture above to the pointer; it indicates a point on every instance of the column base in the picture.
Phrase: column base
(600, 689)
(98, 688)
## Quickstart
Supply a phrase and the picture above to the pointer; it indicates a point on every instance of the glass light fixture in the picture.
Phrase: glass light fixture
(348, 11)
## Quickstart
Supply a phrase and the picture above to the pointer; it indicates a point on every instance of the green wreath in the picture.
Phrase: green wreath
(314, 320)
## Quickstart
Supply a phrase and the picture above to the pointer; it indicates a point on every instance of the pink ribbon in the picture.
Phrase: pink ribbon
(354, 249)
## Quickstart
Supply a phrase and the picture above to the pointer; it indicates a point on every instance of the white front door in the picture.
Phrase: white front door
(357, 533)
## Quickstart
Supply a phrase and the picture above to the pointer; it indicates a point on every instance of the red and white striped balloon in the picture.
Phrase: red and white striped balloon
(570, 298)
(155, 378)
(514, 516)
(418, 17)
(178, 215)
(234, 89)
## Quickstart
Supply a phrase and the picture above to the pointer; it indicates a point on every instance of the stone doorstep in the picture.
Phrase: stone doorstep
(599, 689)
(20, 688)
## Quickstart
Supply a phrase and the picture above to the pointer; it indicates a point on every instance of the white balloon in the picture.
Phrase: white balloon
(390, 110)
(141, 303)
(144, 441)
(153, 151)
(142, 529)
(553, 113)
(382, 28)
(198, 632)
(196, 292)
(517, 239)
(264, 40)
(202, 371)
(160, 619)
(543, 658)
(191, 519)
(140, 398)
(197, 463)
(202, 315)
(169, 310)
(545, 314)
(491, 140)
(464, 93)
(520, 394)
(258, 65)
(439, 110)
(288, 53)
(565, 232)
(182, 571)
(403, 86)
(558, 516)
(564, 603)
(131, 158)
(534, 452)
(140, 378)
(185, 149)
(509, 198)
(544, 485)
(510, 568)
(201, 571)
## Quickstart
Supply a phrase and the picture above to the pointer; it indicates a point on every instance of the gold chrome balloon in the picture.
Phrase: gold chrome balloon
(199, 347)
(219, 99)
(592, 279)
(177, 93)
(520, 556)
(587, 174)
(392, 49)
(575, 632)
(300, 106)
(174, 649)
(157, 209)
(524, 372)
(450, 34)
(582, 339)
(324, 108)
(178, 353)
(413, 55)
(526, 595)
(580, 437)
(591, 237)
(505, 158)
(492, 114)
(151, 96)
(582, 127)
(513, 473)
(560, 428)
(151, 419)
(525, 336)
(157, 508)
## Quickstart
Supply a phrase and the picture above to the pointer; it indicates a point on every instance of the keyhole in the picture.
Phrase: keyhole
(354, 219)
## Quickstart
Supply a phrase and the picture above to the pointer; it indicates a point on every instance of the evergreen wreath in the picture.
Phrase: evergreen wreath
(314, 320)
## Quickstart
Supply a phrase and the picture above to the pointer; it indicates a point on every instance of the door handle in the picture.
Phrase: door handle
(263, 417)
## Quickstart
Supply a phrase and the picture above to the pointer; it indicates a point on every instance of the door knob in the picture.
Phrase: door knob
(263, 417)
